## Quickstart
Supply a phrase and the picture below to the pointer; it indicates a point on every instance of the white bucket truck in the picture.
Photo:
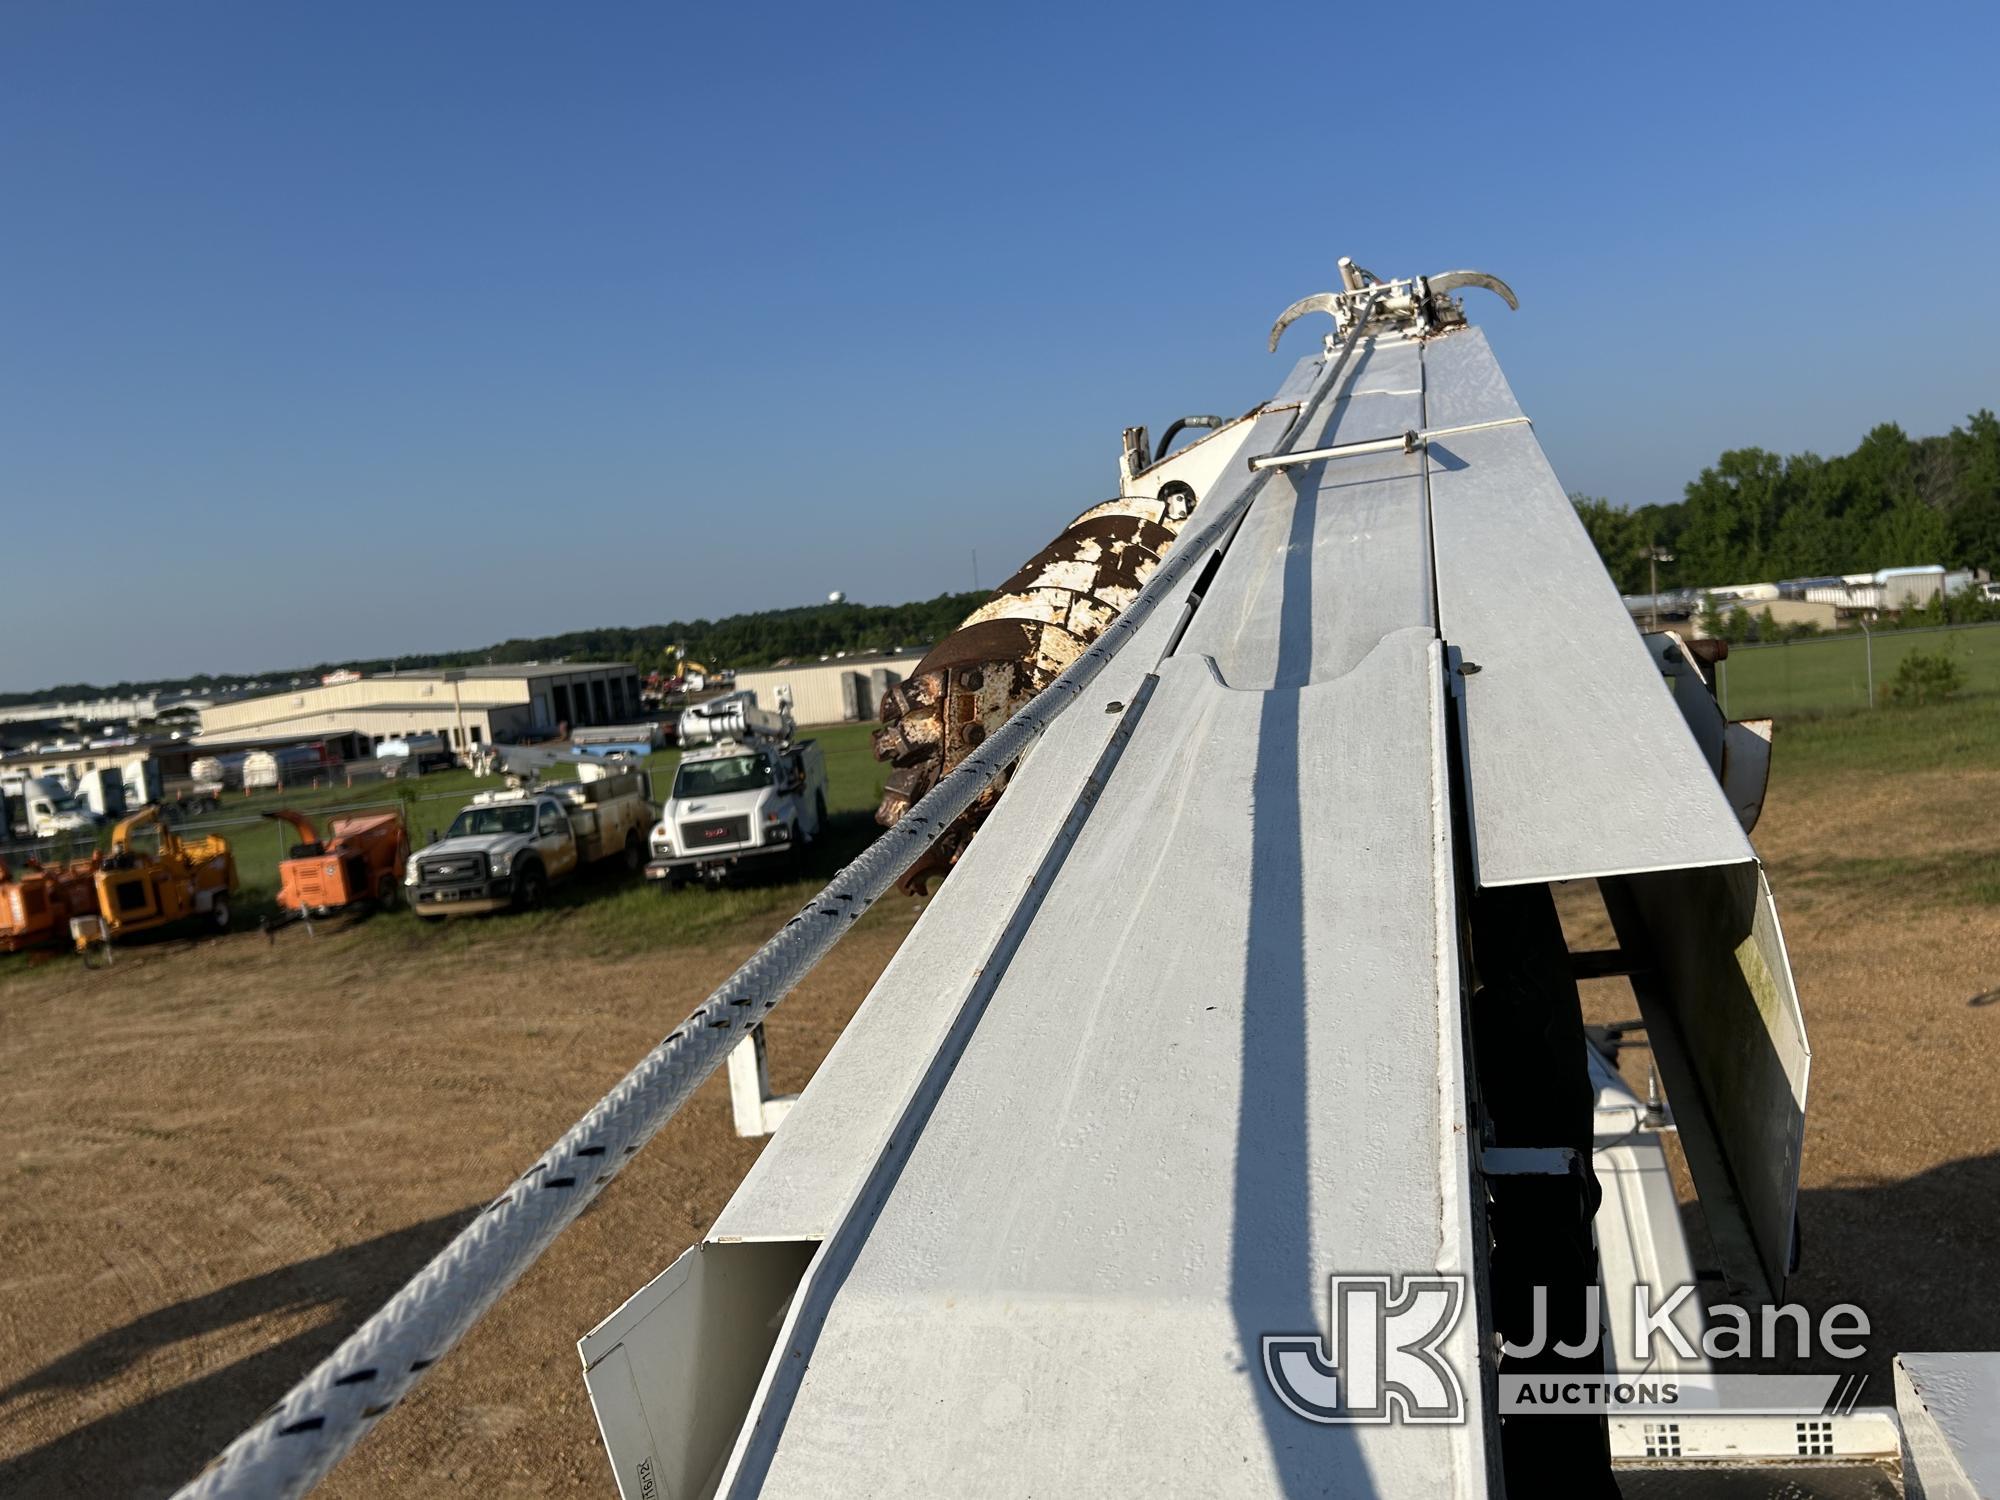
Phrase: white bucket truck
(745, 795)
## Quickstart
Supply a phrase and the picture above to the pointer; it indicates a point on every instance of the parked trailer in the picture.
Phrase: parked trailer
(37, 901)
(413, 755)
(266, 770)
(621, 739)
(223, 772)
(139, 889)
(360, 860)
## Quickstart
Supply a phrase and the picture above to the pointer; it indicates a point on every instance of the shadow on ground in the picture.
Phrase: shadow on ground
(1927, 1252)
(159, 1441)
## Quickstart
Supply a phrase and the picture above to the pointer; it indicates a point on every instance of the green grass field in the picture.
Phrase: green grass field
(1830, 675)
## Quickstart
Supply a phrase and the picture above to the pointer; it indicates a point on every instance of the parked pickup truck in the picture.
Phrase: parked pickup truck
(508, 847)
(745, 795)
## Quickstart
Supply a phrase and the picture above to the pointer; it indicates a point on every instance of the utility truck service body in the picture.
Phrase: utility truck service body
(508, 847)
(745, 793)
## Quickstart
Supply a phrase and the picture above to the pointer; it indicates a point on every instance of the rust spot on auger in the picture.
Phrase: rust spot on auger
(1009, 649)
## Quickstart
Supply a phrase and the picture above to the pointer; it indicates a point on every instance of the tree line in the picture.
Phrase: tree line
(758, 639)
(1753, 516)
(1756, 517)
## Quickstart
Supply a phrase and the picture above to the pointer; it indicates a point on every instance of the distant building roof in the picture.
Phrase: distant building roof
(506, 669)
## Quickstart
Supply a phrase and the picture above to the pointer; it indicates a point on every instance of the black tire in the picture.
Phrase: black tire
(635, 853)
(529, 887)
(219, 914)
(387, 890)
(819, 815)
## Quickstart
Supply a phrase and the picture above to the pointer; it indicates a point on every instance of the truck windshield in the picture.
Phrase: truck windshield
(68, 805)
(714, 778)
(487, 820)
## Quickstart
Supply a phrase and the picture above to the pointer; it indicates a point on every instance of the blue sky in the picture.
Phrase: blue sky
(364, 328)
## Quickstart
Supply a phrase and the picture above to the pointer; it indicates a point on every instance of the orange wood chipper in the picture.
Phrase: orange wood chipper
(360, 860)
(139, 888)
(37, 903)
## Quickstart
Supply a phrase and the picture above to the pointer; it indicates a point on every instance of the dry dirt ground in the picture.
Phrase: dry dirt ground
(217, 1160)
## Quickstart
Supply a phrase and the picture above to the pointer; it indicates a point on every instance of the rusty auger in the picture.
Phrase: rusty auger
(1010, 648)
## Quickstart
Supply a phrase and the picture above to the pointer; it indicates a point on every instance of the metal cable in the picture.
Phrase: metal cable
(294, 1445)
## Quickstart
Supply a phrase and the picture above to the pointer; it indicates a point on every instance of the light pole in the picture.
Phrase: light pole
(1868, 645)
(1655, 555)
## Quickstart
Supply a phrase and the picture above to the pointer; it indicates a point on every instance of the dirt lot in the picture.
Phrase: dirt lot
(219, 1160)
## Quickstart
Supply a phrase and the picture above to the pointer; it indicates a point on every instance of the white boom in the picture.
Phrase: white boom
(1250, 988)
(735, 716)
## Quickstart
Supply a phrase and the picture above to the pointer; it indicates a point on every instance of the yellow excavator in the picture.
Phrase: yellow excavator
(168, 880)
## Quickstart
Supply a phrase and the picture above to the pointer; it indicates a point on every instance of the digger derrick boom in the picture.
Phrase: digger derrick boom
(1251, 978)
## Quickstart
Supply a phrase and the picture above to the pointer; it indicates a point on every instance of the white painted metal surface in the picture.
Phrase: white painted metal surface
(756, 1110)
(1315, 1122)
(1578, 764)
(1182, 1034)
(1226, 1049)
(1724, 1021)
(815, 1165)
(1640, 1239)
(1950, 1408)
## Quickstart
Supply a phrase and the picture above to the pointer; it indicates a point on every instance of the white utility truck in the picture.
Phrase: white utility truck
(745, 793)
(42, 807)
(508, 847)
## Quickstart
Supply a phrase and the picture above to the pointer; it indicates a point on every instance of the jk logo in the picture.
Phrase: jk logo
(1380, 1360)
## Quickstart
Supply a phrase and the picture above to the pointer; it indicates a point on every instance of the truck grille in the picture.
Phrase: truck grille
(713, 833)
(452, 869)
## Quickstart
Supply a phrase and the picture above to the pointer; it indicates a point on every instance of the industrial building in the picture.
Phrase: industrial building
(465, 707)
(842, 690)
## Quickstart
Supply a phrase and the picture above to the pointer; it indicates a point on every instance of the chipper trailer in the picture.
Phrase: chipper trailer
(147, 883)
(359, 861)
(37, 901)
(1227, 1124)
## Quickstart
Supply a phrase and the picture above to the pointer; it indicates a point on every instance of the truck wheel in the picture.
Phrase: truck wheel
(219, 914)
(635, 853)
(528, 888)
(386, 890)
(819, 814)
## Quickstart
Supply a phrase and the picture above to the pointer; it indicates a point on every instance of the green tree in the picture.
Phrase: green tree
(1926, 677)
(1619, 541)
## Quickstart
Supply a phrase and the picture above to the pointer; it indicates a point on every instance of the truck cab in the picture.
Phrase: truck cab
(746, 795)
(42, 807)
(500, 852)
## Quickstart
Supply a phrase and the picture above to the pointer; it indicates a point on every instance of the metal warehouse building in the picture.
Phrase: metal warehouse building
(464, 707)
(841, 691)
